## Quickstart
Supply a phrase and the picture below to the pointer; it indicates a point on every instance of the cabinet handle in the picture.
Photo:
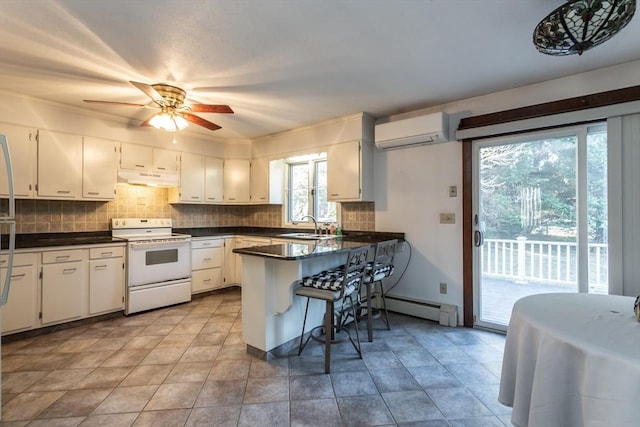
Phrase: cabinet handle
(195, 197)
(263, 198)
(206, 259)
(335, 194)
(232, 198)
(62, 257)
(4, 261)
(93, 193)
(18, 276)
(140, 166)
(206, 280)
(211, 198)
(69, 270)
(162, 169)
(101, 267)
(206, 244)
(63, 191)
(105, 254)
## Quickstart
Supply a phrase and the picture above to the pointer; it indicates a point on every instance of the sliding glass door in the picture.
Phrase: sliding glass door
(540, 218)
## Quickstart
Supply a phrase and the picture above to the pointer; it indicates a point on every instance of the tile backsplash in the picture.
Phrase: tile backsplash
(51, 216)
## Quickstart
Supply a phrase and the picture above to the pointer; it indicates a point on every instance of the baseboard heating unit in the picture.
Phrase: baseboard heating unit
(445, 314)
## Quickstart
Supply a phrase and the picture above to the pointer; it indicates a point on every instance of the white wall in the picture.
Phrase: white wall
(411, 185)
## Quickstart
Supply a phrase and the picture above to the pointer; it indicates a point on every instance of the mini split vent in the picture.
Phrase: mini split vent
(429, 129)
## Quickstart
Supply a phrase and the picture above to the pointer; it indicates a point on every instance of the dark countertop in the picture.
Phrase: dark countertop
(302, 250)
(39, 240)
(291, 251)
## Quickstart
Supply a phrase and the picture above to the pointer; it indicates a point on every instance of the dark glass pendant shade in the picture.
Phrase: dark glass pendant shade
(580, 25)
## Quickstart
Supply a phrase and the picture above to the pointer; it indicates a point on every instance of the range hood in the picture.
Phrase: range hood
(152, 179)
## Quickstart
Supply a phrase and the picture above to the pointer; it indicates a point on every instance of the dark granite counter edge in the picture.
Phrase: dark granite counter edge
(273, 232)
(282, 251)
(38, 240)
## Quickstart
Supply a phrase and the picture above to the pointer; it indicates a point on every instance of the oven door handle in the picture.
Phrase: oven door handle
(152, 245)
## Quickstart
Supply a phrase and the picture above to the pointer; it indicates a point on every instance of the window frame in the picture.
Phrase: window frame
(312, 163)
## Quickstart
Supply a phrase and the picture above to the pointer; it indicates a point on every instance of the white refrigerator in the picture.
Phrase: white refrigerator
(7, 244)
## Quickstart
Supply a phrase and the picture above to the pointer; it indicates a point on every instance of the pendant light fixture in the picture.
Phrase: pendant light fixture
(579, 25)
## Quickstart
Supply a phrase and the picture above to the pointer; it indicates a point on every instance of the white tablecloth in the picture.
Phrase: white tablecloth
(572, 360)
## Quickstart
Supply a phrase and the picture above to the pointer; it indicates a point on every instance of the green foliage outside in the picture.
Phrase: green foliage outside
(529, 189)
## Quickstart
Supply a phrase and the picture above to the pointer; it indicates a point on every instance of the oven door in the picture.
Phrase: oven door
(153, 262)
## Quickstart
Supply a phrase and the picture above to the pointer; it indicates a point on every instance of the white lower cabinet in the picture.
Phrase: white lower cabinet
(20, 313)
(64, 285)
(206, 264)
(106, 279)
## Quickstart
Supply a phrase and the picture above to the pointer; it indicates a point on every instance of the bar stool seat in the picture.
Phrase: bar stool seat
(337, 288)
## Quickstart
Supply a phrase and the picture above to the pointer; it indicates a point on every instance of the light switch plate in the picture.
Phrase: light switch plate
(447, 218)
(453, 191)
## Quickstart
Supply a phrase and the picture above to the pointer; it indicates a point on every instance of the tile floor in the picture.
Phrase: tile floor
(186, 365)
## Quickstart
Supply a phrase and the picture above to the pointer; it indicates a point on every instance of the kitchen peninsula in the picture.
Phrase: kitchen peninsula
(271, 314)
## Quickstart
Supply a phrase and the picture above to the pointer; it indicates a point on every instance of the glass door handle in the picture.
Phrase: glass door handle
(478, 238)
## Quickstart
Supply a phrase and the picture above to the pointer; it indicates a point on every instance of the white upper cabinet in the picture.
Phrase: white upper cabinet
(237, 181)
(98, 169)
(165, 161)
(260, 180)
(136, 157)
(191, 188)
(349, 172)
(22, 146)
(214, 180)
(59, 165)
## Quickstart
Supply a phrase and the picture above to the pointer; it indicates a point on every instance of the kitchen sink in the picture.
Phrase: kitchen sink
(306, 236)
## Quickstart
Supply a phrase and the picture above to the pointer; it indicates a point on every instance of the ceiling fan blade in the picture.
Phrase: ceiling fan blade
(200, 121)
(206, 108)
(92, 101)
(149, 91)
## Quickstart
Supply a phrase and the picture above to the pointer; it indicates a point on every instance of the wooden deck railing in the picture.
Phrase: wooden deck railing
(523, 260)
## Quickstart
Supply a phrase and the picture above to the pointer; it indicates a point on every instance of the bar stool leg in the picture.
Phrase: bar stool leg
(328, 336)
(384, 307)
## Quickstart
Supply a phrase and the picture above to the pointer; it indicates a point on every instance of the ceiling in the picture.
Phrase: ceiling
(282, 64)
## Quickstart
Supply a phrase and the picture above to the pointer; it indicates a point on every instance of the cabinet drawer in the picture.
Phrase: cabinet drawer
(106, 252)
(20, 311)
(64, 256)
(213, 243)
(18, 259)
(204, 280)
(206, 258)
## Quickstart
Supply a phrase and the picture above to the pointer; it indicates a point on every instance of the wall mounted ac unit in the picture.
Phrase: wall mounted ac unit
(420, 130)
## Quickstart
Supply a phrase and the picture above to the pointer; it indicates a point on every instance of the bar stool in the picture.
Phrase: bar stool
(378, 269)
(337, 288)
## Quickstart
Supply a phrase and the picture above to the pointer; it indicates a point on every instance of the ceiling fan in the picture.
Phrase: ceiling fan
(174, 114)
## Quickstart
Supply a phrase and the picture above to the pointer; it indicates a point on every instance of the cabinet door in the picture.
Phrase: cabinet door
(19, 313)
(59, 165)
(343, 171)
(213, 181)
(98, 169)
(22, 144)
(260, 180)
(236, 180)
(106, 285)
(62, 291)
(136, 157)
(191, 178)
(165, 161)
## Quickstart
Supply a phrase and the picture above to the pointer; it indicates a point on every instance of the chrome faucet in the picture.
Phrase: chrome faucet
(315, 223)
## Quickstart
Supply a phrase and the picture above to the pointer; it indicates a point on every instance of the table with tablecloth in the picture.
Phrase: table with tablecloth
(572, 360)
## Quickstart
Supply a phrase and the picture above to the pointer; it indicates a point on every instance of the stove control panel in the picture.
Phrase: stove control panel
(124, 223)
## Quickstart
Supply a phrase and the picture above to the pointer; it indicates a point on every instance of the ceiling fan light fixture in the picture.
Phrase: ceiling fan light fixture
(169, 121)
(579, 25)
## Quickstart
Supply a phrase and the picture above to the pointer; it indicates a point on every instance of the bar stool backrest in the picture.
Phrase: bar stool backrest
(384, 255)
(355, 269)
